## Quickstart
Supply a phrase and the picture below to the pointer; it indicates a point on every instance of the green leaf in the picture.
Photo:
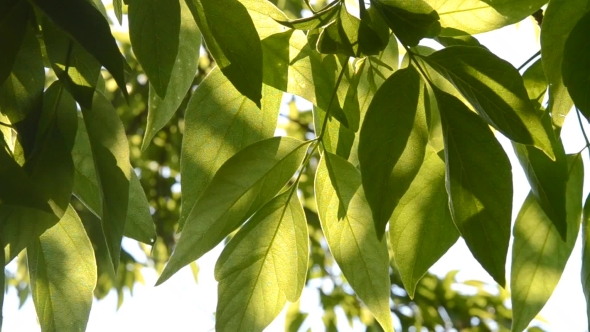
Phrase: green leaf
(110, 151)
(539, 255)
(294, 318)
(321, 19)
(160, 110)
(63, 275)
(154, 27)
(139, 224)
(2, 281)
(351, 236)
(392, 143)
(466, 40)
(232, 39)
(410, 20)
(496, 91)
(14, 16)
(558, 21)
(421, 229)
(50, 167)
(535, 81)
(548, 178)
(21, 92)
(479, 184)
(75, 17)
(219, 121)
(333, 39)
(77, 69)
(461, 17)
(585, 275)
(576, 66)
(243, 184)
(118, 8)
(263, 266)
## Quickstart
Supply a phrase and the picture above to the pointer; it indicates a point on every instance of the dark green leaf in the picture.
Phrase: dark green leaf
(479, 184)
(219, 121)
(333, 39)
(392, 142)
(585, 275)
(535, 81)
(243, 184)
(558, 21)
(77, 69)
(139, 224)
(263, 266)
(110, 151)
(421, 229)
(154, 28)
(75, 18)
(14, 16)
(410, 21)
(320, 19)
(466, 40)
(2, 281)
(21, 92)
(350, 233)
(576, 65)
(233, 42)
(160, 110)
(539, 254)
(63, 275)
(496, 91)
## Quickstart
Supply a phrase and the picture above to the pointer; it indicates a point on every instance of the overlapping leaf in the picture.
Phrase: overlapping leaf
(410, 21)
(576, 65)
(350, 233)
(535, 82)
(154, 28)
(421, 229)
(322, 18)
(160, 110)
(496, 91)
(585, 273)
(61, 255)
(243, 184)
(479, 184)
(539, 254)
(219, 122)
(110, 151)
(263, 266)
(14, 15)
(392, 142)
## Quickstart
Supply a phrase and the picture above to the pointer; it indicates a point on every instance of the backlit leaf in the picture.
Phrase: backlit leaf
(351, 236)
(410, 21)
(321, 19)
(421, 229)
(479, 184)
(154, 27)
(243, 184)
(539, 254)
(535, 81)
(576, 65)
(63, 275)
(263, 266)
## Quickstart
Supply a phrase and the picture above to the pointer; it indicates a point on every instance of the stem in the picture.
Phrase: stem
(310, 7)
(417, 65)
(582, 128)
(323, 129)
(303, 166)
(529, 60)
(6, 124)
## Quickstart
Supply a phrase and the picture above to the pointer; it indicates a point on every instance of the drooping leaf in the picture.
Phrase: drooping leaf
(263, 266)
(321, 19)
(63, 275)
(233, 42)
(333, 39)
(21, 92)
(154, 28)
(77, 69)
(351, 236)
(576, 66)
(411, 20)
(466, 40)
(548, 178)
(461, 17)
(243, 184)
(558, 21)
(14, 15)
(535, 81)
(479, 184)
(373, 32)
(160, 110)
(421, 229)
(219, 121)
(496, 90)
(50, 167)
(110, 152)
(539, 254)
(75, 17)
(585, 273)
(139, 224)
(392, 142)
(118, 9)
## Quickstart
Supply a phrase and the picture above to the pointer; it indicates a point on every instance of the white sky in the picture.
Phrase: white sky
(182, 305)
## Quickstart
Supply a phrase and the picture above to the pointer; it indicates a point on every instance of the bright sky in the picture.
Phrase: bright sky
(182, 305)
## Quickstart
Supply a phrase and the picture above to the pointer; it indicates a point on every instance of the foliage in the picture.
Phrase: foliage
(397, 159)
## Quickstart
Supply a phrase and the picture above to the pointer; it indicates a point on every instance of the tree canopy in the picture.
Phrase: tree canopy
(166, 135)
